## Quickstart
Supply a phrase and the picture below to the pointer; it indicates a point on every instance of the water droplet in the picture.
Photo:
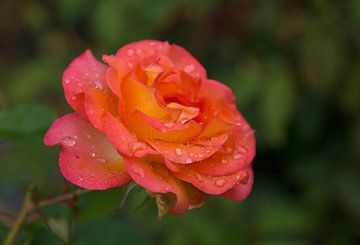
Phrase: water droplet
(207, 151)
(140, 172)
(238, 176)
(229, 149)
(93, 154)
(191, 154)
(98, 85)
(130, 52)
(189, 68)
(73, 97)
(168, 125)
(241, 149)
(199, 178)
(183, 121)
(224, 161)
(67, 81)
(188, 160)
(237, 156)
(69, 141)
(139, 51)
(92, 177)
(81, 178)
(201, 155)
(178, 151)
(220, 182)
(100, 159)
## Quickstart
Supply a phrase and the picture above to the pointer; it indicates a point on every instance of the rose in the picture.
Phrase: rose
(151, 115)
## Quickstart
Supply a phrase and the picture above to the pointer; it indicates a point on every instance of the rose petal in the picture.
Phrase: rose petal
(209, 184)
(181, 59)
(155, 178)
(83, 73)
(87, 158)
(144, 131)
(125, 142)
(243, 188)
(236, 153)
(138, 96)
(187, 153)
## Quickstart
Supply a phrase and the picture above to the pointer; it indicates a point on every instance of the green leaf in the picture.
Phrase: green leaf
(25, 121)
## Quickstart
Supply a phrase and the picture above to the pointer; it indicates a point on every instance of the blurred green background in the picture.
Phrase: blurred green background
(294, 67)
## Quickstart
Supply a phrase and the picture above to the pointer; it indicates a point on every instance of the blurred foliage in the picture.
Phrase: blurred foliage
(294, 67)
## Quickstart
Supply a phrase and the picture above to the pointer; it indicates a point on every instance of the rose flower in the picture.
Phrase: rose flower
(151, 115)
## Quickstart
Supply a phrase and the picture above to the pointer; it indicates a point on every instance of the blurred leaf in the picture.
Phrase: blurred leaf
(25, 120)
(60, 227)
(277, 104)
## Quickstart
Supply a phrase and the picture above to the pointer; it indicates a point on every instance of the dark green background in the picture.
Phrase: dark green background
(294, 67)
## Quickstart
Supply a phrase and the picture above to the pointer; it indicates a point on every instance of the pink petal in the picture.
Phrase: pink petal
(181, 59)
(155, 178)
(83, 73)
(187, 153)
(87, 158)
(237, 152)
(209, 184)
(243, 188)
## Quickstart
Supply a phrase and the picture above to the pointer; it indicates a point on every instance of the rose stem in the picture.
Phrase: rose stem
(29, 205)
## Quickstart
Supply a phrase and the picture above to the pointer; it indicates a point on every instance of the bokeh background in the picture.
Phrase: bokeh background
(294, 67)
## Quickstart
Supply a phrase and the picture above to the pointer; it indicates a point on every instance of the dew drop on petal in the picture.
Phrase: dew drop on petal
(201, 155)
(199, 178)
(168, 125)
(130, 52)
(189, 68)
(224, 161)
(237, 156)
(220, 182)
(81, 178)
(191, 154)
(92, 177)
(73, 97)
(93, 154)
(67, 81)
(178, 151)
(229, 150)
(100, 159)
(140, 172)
(188, 160)
(68, 141)
(241, 149)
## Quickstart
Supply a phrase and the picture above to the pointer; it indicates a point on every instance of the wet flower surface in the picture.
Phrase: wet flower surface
(149, 114)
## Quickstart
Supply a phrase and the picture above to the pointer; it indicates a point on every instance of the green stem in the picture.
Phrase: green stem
(20, 219)
(29, 206)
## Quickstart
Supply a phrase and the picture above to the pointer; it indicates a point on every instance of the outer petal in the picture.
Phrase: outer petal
(84, 72)
(181, 59)
(187, 153)
(236, 153)
(215, 185)
(87, 158)
(125, 142)
(242, 189)
(155, 178)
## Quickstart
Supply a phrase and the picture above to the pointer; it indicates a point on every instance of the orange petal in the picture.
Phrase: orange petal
(144, 131)
(192, 151)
